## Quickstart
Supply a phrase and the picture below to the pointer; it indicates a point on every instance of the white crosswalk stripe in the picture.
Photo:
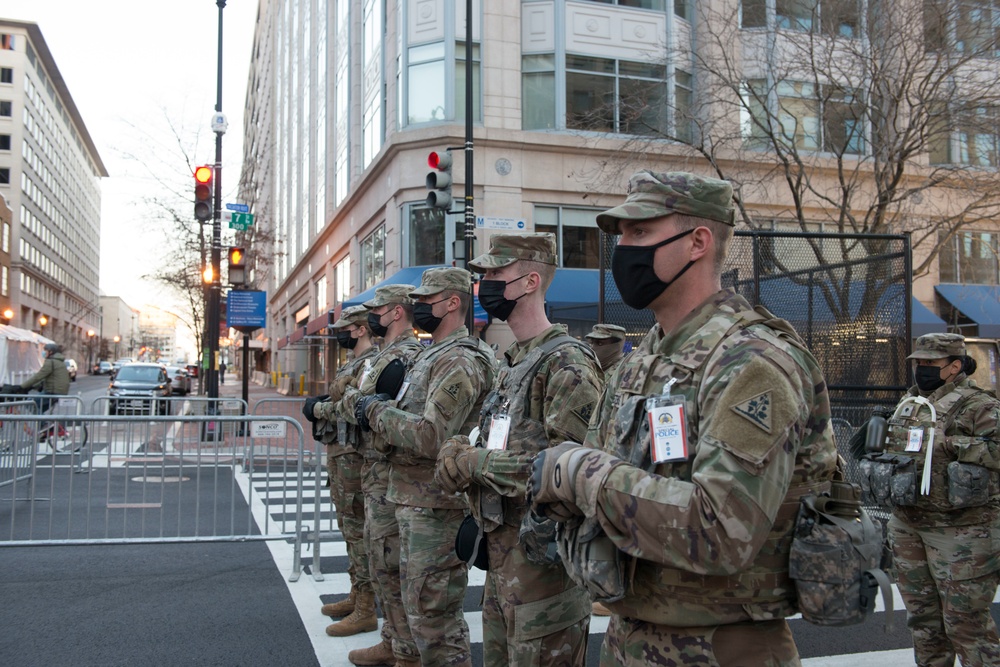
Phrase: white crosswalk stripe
(307, 592)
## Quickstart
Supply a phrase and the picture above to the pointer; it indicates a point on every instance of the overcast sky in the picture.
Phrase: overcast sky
(129, 66)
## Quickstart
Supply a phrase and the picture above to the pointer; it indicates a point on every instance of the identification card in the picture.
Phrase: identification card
(402, 390)
(916, 440)
(499, 428)
(667, 429)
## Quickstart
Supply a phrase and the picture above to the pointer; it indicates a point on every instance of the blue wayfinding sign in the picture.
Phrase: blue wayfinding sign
(239, 208)
(246, 308)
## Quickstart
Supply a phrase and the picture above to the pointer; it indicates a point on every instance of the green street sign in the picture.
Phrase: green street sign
(241, 221)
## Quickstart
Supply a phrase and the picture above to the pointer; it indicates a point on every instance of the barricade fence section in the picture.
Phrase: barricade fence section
(180, 477)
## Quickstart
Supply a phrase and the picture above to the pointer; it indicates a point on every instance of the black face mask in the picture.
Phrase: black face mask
(423, 316)
(345, 340)
(493, 301)
(928, 378)
(632, 268)
(375, 324)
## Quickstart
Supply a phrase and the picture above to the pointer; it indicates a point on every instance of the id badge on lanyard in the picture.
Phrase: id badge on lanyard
(499, 429)
(667, 428)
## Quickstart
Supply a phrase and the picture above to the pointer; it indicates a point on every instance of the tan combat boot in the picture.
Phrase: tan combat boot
(362, 619)
(340, 609)
(599, 609)
(380, 654)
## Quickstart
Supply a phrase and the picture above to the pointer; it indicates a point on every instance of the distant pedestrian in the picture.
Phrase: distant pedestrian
(222, 372)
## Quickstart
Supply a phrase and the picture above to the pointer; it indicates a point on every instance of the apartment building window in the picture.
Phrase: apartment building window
(4, 142)
(4, 281)
(4, 176)
(607, 95)
(321, 302)
(372, 81)
(426, 72)
(6, 75)
(6, 108)
(970, 257)
(973, 139)
(577, 234)
(808, 117)
(429, 235)
(460, 82)
(538, 92)
(5, 238)
(373, 258)
(7, 44)
(342, 281)
(832, 17)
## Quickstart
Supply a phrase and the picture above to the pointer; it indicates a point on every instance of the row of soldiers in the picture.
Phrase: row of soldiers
(668, 490)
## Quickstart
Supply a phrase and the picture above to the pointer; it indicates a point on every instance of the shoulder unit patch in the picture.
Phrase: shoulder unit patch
(757, 410)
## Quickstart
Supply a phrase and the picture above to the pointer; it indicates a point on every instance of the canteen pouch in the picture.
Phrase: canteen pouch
(968, 485)
(593, 561)
(834, 560)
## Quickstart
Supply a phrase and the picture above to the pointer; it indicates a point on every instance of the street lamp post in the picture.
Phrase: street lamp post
(90, 349)
(117, 340)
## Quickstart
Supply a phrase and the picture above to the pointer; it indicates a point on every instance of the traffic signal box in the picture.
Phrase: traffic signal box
(203, 193)
(237, 266)
(439, 180)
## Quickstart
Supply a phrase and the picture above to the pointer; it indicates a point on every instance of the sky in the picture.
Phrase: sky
(136, 69)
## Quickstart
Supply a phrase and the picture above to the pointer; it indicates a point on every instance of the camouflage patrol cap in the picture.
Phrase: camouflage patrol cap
(938, 346)
(656, 194)
(357, 315)
(391, 294)
(505, 249)
(604, 331)
(439, 279)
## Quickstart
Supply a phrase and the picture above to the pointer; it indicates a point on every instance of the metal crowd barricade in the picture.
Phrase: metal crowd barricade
(151, 479)
(291, 408)
(16, 447)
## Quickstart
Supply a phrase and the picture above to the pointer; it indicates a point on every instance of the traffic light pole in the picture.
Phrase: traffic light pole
(215, 290)
(470, 215)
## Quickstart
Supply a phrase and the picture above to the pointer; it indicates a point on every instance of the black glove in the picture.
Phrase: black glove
(361, 409)
(310, 403)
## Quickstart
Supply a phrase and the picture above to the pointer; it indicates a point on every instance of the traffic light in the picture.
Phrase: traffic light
(203, 193)
(439, 180)
(237, 266)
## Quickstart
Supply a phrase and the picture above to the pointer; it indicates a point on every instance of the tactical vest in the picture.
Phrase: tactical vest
(512, 396)
(406, 350)
(764, 590)
(895, 477)
(348, 434)
(409, 471)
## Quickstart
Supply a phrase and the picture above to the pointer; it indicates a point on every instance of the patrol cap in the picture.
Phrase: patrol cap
(939, 346)
(357, 315)
(390, 294)
(605, 331)
(439, 279)
(505, 249)
(654, 194)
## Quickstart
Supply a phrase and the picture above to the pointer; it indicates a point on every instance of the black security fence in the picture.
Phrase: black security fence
(847, 295)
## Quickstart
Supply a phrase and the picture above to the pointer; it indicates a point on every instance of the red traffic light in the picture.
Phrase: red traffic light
(203, 174)
(439, 161)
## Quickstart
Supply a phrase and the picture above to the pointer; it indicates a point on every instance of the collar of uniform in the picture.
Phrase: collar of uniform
(725, 300)
(460, 332)
(518, 351)
(402, 338)
(944, 389)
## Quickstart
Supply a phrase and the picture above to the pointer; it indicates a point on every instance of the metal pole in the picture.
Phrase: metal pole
(215, 289)
(470, 215)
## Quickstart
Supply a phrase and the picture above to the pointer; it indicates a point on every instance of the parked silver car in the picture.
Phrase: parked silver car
(180, 381)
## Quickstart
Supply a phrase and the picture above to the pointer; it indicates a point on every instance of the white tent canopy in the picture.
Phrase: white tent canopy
(21, 353)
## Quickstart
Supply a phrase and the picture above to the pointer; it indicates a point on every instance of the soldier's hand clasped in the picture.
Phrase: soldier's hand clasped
(456, 464)
(361, 409)
(310, 406)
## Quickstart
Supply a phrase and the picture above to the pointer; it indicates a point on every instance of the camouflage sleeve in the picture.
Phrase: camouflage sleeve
(329, 410)
(344, 408)
(455, 385)
(980, 441)
(752, 415)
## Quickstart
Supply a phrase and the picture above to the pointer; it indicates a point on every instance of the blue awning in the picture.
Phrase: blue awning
(408, 276)
(924, 321)
(573, 295)
(979, 303)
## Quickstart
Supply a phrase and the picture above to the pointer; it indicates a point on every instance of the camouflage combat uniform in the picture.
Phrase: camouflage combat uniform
(710, 534)
(343, 465)
(442, 397)
(533, 613)
(608, 342)
(948, 557)
(381, 531)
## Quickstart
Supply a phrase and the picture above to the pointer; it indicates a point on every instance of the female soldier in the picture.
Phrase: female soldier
(945, 525)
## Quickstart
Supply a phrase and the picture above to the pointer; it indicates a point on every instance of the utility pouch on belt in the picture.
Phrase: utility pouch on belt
(593, 561)
(834, 559)
(968, 485)
(537, 535)
(888, 480)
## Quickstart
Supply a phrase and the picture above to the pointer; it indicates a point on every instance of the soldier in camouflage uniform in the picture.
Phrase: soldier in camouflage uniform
(706, 437)
(608, 342)
(390, 315)
(533, 613)
(946, 539)
(441, 397)
(344, 469)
